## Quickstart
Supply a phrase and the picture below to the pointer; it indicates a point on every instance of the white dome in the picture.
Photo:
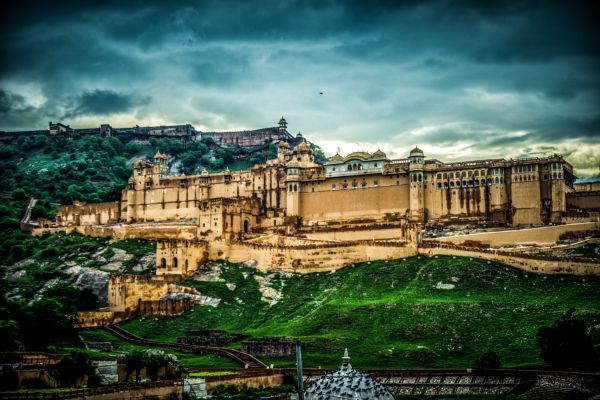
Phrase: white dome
(347, 383)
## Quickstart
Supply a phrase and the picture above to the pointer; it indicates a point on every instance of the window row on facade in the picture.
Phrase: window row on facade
(471, 183)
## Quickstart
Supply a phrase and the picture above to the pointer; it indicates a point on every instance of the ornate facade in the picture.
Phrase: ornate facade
(293, 192)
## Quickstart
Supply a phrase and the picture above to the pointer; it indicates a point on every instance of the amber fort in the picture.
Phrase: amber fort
(295, 214)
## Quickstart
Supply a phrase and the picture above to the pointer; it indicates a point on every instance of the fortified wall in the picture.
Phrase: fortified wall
(546, 235)
(530, 263)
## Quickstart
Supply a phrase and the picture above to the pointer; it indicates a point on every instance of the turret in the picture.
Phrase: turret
(161, 160)
(282, 125)
(417, 179)
(283, 148)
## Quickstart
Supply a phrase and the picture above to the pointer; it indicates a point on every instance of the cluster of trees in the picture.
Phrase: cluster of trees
(564, 345)
(49, 321)
(59, 169)
(152, 360)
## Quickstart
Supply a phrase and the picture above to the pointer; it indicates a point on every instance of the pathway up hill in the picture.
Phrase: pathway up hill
(418, 312)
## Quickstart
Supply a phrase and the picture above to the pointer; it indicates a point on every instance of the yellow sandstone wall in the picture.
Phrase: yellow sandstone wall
(542, 236)
(572, 266)
(309, 258)
(584, 200)
(125, 292)
(88, 214)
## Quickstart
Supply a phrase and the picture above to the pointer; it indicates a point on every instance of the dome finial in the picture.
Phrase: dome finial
(346, 358)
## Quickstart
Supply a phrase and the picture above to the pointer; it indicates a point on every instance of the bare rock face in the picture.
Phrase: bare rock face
(269, 294)
(211, 272)
(48, 285)
(250, 263)
(145, 263)
(90, 278)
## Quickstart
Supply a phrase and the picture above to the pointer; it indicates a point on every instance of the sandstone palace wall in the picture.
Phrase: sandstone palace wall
(293, 191)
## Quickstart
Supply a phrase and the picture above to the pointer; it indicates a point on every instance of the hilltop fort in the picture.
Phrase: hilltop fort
(294, 213)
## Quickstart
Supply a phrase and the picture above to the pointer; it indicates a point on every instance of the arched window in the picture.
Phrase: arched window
(174, 262)
(163, 263)
(349, 167)
(246, 226)
(295, 187)
(420, 178)
(187, 264)
(354, 184)
(554, 175)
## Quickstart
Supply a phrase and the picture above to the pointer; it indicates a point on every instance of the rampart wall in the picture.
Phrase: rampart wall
(306, 259)
(542, 236)
(81, 214)
(531, 263)
(248, 380)
(361, 234)
(584, 200)
(126, 292)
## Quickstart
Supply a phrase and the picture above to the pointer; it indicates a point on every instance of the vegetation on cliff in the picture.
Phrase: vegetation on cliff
(412, 313)
(45, 281)
(94, 169)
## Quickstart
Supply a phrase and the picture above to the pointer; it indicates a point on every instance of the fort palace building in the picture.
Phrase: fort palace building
(295, 191)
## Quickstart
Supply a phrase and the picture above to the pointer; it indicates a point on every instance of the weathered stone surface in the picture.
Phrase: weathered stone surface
(113, 266)
(145, 263)
(91, 278)
(48, 285)
(231, 286)
(211, 272)
(265, 284)
(250, 263)
(446, 286)
(120, 256)
(16, 275)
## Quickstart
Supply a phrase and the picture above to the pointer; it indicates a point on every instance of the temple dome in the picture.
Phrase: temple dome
(378, 154)
(336, 157)
(360, 155)
(347, 383)
(302, 147)
(416, 152)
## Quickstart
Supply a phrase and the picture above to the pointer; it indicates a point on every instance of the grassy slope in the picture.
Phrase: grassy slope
(391, 315)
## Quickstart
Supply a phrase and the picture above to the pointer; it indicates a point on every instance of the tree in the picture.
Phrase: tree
(488, 360)
(73, 366)
(566, 344)
(19, 194)
(132, 147)
(8, 335)
(134, 362)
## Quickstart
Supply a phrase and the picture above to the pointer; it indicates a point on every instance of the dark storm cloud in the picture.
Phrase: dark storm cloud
(469, 78)
(104, 102)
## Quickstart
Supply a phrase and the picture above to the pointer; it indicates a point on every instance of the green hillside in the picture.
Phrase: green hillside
(401, 314)
(94, 168)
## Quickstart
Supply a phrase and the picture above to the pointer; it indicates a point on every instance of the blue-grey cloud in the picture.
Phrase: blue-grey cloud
(470, 79)
(103, 103)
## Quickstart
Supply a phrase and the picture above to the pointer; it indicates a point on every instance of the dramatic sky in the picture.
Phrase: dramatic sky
(462, 80)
